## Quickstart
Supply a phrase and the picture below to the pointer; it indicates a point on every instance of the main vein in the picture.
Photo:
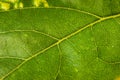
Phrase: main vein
(59, 41)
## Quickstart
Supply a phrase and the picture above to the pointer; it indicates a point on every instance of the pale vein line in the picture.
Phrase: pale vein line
(95, 42)
(77, 10)
(72, 45)
(61, 40)
(9, 57)
(107, 62)
(117, 21)
(46, 34)
(60, 56)
(65, 8)
(35, 31)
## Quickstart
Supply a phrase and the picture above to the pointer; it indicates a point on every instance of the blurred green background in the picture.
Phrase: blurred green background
(14, 4)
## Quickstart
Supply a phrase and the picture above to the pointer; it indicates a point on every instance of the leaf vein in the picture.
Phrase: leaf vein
(9, 57)
(77, 10)
(35, 31)
(60, 57)
(61, 40)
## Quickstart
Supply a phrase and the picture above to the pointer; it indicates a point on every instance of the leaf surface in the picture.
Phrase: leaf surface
(98, 7)
(58, 44)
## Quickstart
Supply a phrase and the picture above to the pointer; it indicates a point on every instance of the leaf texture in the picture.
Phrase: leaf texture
(59, 43)
(99, 7)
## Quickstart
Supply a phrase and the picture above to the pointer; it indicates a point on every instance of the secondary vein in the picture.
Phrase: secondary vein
(8, 57)
(35, 31)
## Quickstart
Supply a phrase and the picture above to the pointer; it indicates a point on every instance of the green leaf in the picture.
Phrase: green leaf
(59, 44)
(99, 7)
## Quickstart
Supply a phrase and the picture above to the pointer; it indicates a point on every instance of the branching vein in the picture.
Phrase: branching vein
(61, 40)
(8, 57)
(35, 31)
